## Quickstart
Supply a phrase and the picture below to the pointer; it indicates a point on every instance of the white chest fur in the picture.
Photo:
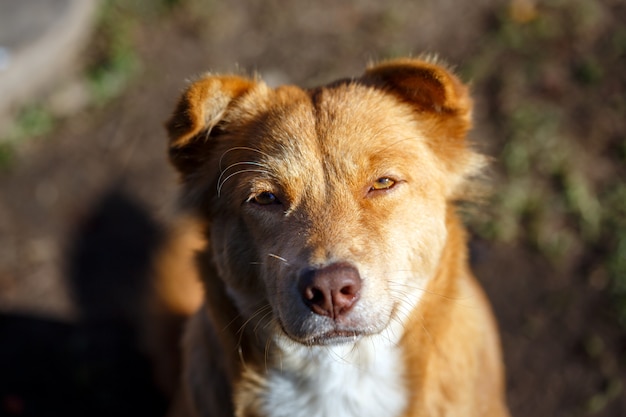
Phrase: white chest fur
(360, 380)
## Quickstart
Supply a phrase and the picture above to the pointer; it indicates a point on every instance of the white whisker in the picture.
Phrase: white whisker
(260, 310)
(220, 185)
(223, 172)
(239, 148)
(256, 327)
(280, 258)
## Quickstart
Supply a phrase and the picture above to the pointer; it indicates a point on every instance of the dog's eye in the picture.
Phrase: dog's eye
(264, 198)
(382, 184)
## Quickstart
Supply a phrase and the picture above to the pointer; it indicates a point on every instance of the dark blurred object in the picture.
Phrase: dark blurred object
(110, 260)
(94, 368)
(56, 369)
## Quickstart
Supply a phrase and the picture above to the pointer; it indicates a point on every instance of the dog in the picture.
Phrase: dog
(335, 271)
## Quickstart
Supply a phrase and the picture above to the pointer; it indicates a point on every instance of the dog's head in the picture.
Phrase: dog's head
(326, 207)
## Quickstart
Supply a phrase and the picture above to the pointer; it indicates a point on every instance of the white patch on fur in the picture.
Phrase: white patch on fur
(364, 379)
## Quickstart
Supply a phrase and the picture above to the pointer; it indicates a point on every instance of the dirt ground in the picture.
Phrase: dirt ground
(82, 209)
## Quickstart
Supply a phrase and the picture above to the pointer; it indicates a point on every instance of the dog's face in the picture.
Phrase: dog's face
(326, 207)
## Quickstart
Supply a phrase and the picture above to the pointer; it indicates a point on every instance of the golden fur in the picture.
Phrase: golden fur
(359, 176)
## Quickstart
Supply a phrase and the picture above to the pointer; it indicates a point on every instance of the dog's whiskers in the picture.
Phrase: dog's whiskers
(268, 344)
(224, 171)
(259, 311)
(239, 148)
(241, 329)
(272, 255)
(405, 313)
(389, 334)
(256, 327)
(231, 322)
(280, 258)
(266, 353)
(220, 185)
(423, 290)
(338, 357)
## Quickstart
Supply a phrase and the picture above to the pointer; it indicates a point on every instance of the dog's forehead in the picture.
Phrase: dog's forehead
(340, 137)
(345, 122)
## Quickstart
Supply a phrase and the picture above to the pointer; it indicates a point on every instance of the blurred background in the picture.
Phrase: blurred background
(86, 190)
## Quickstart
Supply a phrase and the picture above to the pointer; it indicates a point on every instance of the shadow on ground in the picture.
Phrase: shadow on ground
(96, 367)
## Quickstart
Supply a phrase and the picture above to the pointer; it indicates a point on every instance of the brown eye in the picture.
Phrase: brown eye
(382, 184)
(265, 198)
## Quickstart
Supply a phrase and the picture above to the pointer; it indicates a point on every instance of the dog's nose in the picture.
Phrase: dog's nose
(330, 291)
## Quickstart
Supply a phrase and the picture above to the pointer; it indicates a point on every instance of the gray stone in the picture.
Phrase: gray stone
(40, 41)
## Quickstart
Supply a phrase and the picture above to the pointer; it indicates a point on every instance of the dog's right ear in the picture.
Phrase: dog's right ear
(200, 109)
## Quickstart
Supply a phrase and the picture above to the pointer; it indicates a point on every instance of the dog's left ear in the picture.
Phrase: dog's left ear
(426, 85)
(442, 105)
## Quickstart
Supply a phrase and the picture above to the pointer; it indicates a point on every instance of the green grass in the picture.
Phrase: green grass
(545, 78)
(7, 152)
(113, 60)
(33, 121)
(615, 222)
(112, 63)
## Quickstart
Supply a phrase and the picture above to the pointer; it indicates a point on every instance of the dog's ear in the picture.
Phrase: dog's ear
(443, 106)
(203, 105)
(424, 84)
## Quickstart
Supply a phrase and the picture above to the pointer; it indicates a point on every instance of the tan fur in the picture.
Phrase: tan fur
(320, 152)
(182, 294)
(175, 295)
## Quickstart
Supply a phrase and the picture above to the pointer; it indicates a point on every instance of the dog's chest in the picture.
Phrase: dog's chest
(360, 381)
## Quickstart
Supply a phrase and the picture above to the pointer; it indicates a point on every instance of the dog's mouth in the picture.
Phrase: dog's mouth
(328, 338)
(335, 337)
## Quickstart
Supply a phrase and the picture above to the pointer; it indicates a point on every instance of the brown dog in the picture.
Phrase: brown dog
(335, 273)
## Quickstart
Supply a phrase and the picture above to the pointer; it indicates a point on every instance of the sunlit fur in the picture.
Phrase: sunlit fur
(363, 172)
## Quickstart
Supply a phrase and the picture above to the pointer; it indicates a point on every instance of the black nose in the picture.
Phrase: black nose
(330, 291)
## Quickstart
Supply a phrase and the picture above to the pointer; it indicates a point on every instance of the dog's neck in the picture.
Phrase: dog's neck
(364, 379)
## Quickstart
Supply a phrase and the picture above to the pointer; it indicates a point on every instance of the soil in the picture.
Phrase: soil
(83, 208)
